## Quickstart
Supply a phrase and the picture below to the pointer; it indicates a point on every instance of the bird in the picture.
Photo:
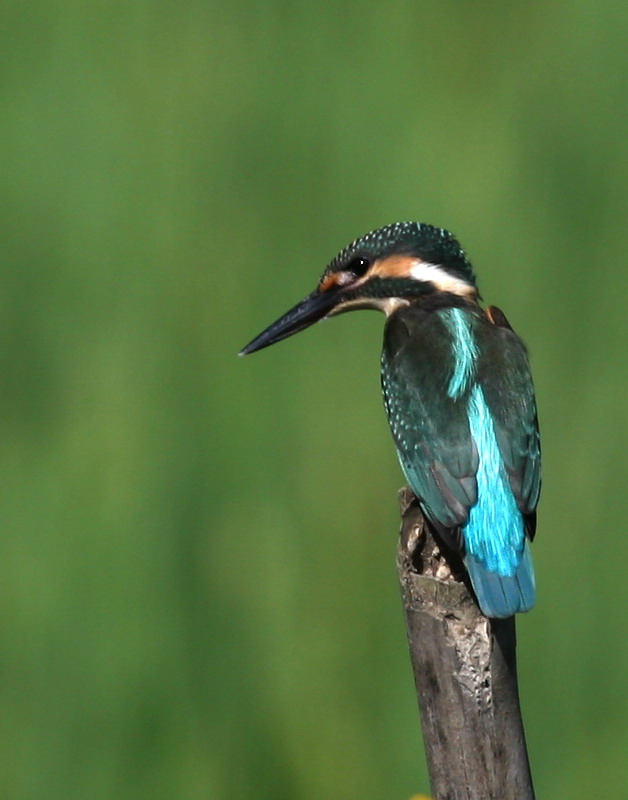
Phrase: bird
(458, 393)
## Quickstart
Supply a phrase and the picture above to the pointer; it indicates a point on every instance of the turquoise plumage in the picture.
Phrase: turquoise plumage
(459, 397)
(458, 393)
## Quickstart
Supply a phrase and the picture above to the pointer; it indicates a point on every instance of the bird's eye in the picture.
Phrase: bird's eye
(359, 266)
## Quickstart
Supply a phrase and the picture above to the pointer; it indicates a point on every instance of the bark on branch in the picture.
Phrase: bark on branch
(465, 674)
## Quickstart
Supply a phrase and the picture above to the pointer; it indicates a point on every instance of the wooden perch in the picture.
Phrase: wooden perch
(465, 674)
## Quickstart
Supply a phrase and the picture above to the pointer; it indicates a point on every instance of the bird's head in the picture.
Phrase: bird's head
(385, 269)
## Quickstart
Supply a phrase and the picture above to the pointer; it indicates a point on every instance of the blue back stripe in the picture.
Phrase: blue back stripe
(494, 533)
(465, 351)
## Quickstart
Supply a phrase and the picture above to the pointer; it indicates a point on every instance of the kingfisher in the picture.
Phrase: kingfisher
(458, 393)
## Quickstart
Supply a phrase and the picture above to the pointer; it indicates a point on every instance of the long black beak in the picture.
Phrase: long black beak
(304, 314)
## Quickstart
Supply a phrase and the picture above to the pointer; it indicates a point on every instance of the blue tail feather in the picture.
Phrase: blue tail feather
(500, 595)
(501, 570)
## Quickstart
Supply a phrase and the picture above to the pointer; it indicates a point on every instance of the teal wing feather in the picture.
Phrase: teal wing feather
(481, 503)
(430, 429)
(509, 395)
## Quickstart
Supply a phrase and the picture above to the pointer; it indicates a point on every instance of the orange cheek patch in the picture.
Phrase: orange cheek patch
(393, 267)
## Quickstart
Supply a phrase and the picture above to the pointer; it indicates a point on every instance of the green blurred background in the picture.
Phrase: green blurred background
(197, 588)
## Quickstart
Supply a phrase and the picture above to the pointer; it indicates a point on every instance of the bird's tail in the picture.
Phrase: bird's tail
(499, 595)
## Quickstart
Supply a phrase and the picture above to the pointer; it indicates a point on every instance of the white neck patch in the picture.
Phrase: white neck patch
(442, 280)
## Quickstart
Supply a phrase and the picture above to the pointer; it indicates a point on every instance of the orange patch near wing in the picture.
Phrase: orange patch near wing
(490, 315)
(398, 266)
(496, 316)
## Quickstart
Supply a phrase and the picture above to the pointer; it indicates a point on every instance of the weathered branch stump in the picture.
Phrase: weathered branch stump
(465, 673)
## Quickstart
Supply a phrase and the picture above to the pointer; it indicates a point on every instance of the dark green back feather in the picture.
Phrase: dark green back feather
(431, 430)
(504, 372)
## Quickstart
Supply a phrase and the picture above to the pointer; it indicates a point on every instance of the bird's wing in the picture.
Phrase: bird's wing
(431, 430)
(503, 371)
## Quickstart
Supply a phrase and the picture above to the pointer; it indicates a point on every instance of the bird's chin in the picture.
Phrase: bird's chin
(386, 304)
